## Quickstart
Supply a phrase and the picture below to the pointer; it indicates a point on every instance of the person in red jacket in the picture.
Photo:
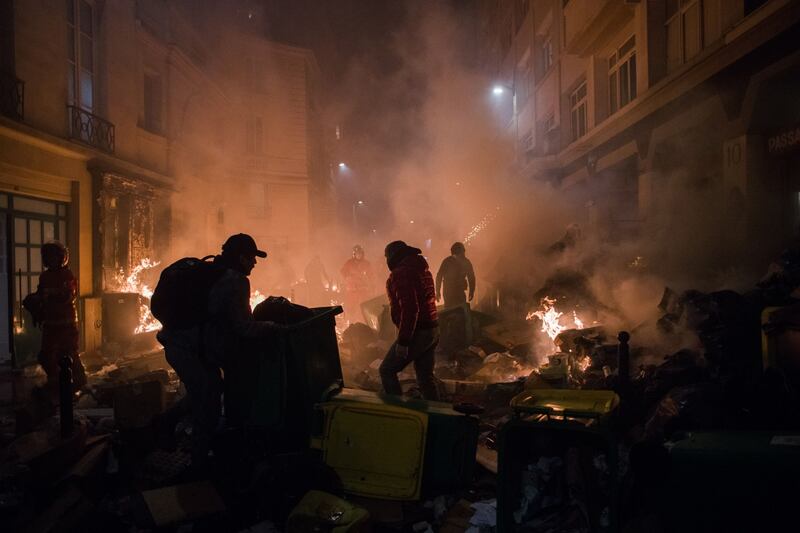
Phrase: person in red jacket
(412, 300)
(57, 293)
(358, 284)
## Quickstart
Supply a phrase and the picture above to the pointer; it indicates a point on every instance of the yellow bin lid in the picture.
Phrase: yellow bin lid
(566, 402)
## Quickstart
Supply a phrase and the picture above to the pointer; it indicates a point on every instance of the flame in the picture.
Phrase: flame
(132, 283)
(578, 322)
(551, 318)
(256, 298)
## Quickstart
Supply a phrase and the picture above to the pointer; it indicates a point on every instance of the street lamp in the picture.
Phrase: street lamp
(357, 204)
(499, 89)
(342, 165)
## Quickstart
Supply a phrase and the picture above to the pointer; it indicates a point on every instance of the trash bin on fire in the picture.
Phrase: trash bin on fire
(557, 463)
(275, 384)
(394, 448)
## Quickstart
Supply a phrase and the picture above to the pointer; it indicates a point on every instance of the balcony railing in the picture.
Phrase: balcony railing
(12, 96)
(90, 129)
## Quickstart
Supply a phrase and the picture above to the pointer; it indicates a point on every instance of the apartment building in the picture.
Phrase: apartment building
(646, 112)
(129, 131)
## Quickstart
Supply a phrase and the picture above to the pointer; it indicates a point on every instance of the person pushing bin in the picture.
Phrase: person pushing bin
(412, 300)
(204, 307)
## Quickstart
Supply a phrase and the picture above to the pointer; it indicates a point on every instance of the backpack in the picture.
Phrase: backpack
(180, 300)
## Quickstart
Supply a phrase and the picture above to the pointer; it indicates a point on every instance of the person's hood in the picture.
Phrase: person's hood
(409, 257)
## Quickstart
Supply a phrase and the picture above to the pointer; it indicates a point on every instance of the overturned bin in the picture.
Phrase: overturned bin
(274, 384)
(395, 448)
(557, 464)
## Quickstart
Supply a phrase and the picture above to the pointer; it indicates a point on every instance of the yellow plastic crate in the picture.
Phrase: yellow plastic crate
(566, 402)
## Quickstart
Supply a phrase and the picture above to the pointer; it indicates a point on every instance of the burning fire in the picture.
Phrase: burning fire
(132, 283)
(551, 318)
(256, 298)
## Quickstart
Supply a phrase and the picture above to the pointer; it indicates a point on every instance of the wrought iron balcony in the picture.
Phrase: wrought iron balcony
(12, 96)
(90, 129)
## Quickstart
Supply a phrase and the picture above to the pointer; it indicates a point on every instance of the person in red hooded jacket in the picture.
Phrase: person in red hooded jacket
(412, 299)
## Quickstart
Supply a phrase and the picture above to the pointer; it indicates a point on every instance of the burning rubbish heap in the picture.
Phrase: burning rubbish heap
(570, 414)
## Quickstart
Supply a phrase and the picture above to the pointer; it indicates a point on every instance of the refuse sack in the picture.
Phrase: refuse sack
(687, 408)
(684, 367)
(322, 512)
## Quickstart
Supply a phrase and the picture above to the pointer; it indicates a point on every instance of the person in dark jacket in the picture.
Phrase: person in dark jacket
(455, 276)
(197, 354)
(412, 300)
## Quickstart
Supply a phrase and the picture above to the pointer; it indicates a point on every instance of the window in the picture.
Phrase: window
(622, 76)
(256, 200)
(254, 136)
(547, 54)
(577, 105)
(684, 31)
(520, 12)
(524, 77)
(752, 5)
(549, 123)
(526, 141)
(506, 36)
(255, 76)
(80, 54)
(152, 102)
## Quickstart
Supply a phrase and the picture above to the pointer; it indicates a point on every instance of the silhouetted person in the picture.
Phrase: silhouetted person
(359, 284)
(317, 281)
(413, 307)
(197, 353)
(455, 276)
(54, 301)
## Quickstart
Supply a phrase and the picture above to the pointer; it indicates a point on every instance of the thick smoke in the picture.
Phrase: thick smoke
(427, 153)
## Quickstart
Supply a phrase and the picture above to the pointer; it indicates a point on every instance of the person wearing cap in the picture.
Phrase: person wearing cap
(412, 300)
(199, 353)
(455, 276)
(358, 284)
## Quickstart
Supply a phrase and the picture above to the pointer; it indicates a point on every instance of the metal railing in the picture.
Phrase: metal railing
(90, 129)
(12, 96)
